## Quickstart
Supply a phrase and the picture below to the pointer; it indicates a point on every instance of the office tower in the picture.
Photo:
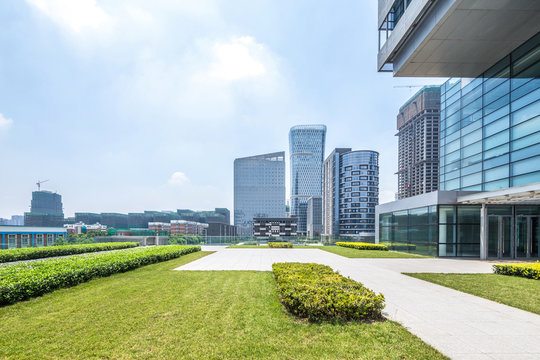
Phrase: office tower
(331, 192)
(351, 181)
(314, 216)
(87, 218)
(45, 210)
(488, 205)
(306, 147)
(259, 189)
(418, 139)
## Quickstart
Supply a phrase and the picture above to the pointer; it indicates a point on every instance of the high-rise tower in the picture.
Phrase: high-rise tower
(259, 189)
(306, 147)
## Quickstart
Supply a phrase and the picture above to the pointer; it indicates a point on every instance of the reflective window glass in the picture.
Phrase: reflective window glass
(497, 151)
(528, 140)
(526, 128)
(526, 113)
(471, 149)
(496, 140)
(496, 126)
(525, 153)
(496, 185)
(496, 173)
(526, 166)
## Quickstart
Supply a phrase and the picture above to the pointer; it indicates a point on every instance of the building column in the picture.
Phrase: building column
(483, 232)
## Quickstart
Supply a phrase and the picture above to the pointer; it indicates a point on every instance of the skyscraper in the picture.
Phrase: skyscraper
(418, 150)
(351, 181)
(45, 210)
(259, 189)
(306, 147)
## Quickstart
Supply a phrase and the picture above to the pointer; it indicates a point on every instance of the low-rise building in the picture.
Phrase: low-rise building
(82, 228)
(14, 237)
(275, 227)
(220, 229)
(183, 227)
(160, 227)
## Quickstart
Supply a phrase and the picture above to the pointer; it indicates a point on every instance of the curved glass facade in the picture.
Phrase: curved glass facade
(306, 147)
(358, 192)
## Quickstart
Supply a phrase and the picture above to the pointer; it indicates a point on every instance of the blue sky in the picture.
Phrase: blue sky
(131, 105)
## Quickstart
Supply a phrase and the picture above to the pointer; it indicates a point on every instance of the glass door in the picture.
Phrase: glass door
(505, 239)
(535, 236)
(527, 236)
(500, 236)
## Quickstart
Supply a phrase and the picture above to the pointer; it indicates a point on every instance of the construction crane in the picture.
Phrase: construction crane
(39, 184)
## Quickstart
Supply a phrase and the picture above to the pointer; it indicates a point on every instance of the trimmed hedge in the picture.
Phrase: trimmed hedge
(363, 246)
(25, 280)
(52, 251)
(316, 292)
(526, 270)
(400, 246)
(287, 245)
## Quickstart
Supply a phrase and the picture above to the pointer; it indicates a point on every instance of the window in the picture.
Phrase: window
(50, 239)
(12, 241)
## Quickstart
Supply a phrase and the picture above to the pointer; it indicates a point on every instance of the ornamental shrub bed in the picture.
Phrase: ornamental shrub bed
(25, 280)
(526, 270)
(363, 246)
(287, 245)
(52, 251)
(316, 292)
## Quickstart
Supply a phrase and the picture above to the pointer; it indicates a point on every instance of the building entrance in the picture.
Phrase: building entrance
(500, 236)
(527, 236)
(524, 244)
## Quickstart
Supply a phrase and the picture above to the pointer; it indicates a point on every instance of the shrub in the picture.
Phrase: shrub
(51, 251)
(400, 246)
(526, 270)
(280, 245)
(363, 246)
(25, 280)
(318, 293)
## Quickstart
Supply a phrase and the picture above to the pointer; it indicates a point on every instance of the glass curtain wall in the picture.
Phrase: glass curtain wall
(450, 231)
(490, 126)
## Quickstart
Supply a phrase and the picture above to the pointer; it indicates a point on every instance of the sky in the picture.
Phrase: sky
(132, 105)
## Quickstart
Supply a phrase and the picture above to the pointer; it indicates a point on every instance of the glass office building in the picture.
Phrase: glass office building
(259, 189)
(490, 126)
(306, 147)
(488, 205)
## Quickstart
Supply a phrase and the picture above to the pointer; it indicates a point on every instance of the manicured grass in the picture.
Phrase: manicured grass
(354, 253)
(509, 290)
(347, 252)
(155, 313)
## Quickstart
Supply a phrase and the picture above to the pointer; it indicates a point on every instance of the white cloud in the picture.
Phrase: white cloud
(237, 59)
(178, 178)
(75, 15)
(5, 123)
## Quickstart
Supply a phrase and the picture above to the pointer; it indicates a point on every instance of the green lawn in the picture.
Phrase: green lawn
(155, 313)
(510, 290)
(343, 251)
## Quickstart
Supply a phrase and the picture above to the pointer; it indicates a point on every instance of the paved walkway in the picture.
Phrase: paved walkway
(460, 325)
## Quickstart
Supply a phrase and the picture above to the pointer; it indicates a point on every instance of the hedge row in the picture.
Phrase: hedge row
(25, 280)
(51, 251)
(400, 246)
(318, 293)
(526, 270)
(363, 246)
(280, 245)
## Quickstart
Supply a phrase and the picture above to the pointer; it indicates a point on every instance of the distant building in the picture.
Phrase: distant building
(87, 218)
(45, 210)
(183, 227)
(314, 216)
(331, 185)
(219, 215)
(16, 220)
(351, 193)
(306, 147)
(259, 189)
(82, 228)
(14, 237)
(159, 227)
(275, 227)
(219, 229)
(418, 151)
(115, 220)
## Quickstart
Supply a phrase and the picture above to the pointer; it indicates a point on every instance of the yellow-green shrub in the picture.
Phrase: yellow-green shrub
(280, 245)
(363, 246)
(526, 270)
(316, 292)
